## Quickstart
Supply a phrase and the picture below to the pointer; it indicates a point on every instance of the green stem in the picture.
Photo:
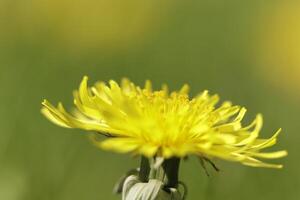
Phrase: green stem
(144, 169)
(167, 172)
(171, 168)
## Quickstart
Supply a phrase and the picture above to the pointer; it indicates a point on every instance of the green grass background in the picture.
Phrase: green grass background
(208, 44)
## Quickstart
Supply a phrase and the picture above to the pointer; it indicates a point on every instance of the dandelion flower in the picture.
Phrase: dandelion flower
(165, 124)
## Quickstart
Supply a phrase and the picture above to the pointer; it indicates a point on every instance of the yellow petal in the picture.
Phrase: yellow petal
(270, 155)
(121, 145)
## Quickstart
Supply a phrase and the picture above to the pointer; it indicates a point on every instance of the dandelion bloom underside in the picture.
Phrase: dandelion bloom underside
(159, 123)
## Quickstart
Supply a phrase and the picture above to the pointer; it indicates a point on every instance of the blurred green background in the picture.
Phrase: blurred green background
(246, 51)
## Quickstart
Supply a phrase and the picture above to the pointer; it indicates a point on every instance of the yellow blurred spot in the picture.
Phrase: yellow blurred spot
(279, 47)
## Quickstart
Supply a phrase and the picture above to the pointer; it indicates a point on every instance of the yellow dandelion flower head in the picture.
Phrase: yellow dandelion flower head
(160, 123)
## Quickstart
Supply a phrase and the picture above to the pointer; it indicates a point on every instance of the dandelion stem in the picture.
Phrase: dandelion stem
(171, 168)
(144, 170)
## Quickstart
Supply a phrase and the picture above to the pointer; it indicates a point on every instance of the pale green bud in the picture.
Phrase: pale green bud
(134, 189)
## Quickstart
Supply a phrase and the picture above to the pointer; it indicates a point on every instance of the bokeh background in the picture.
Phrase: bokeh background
(247, 51)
